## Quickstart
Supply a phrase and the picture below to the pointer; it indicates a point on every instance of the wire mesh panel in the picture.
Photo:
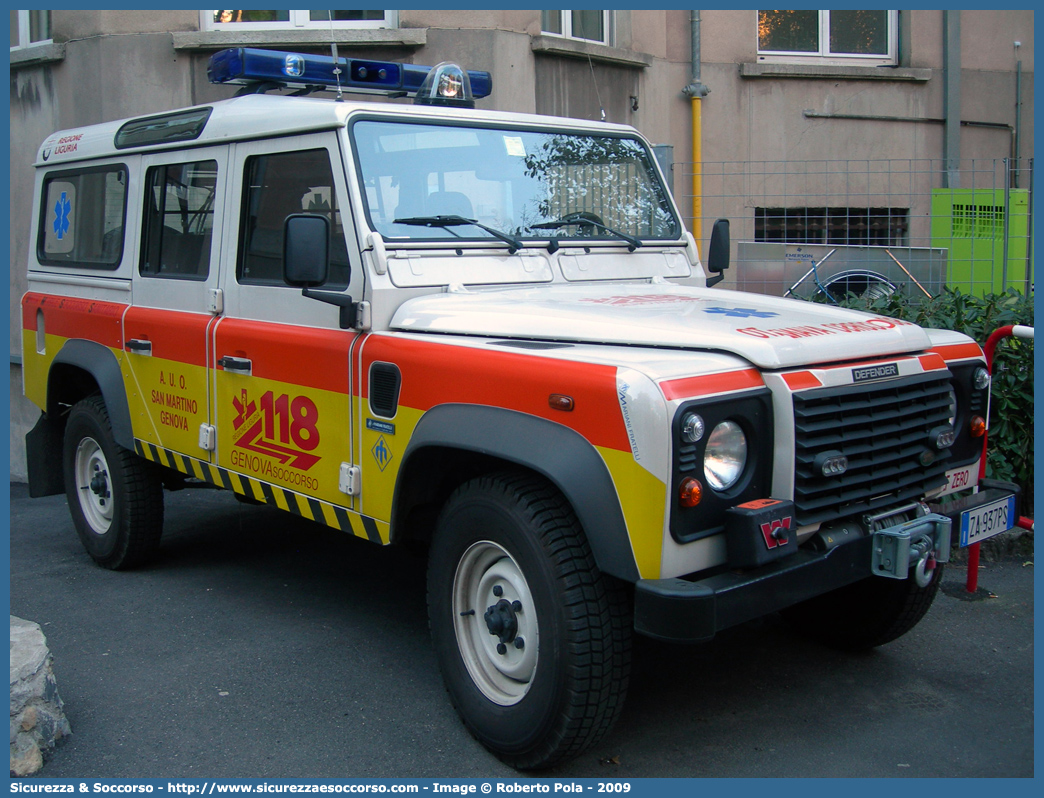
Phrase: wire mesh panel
(872, 224)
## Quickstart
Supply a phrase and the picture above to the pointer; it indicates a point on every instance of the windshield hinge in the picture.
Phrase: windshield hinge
(362, 316)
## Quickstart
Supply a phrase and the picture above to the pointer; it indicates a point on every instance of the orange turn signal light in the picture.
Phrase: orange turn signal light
(690, 493)
(977, 426)
(559, 401)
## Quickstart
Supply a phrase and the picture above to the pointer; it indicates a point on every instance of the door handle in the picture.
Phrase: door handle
(238, 365)
(139, 346)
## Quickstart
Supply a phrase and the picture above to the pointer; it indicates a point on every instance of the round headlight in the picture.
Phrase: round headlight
(725, 455)
(982, 378)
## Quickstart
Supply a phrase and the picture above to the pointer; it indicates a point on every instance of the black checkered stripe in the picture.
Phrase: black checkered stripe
(305, 506)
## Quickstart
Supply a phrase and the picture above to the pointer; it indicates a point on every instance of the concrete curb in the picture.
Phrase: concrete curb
(38, 722)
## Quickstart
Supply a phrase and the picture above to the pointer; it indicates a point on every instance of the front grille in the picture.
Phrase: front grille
(883, 429)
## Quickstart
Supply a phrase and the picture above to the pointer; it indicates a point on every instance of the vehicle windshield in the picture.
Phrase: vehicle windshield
(509, 180)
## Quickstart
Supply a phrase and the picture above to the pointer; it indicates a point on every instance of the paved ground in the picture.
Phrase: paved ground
(263, 646)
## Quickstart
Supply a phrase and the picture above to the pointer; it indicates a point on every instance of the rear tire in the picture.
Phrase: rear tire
(533, 642)
(866, 614)
(115, 497)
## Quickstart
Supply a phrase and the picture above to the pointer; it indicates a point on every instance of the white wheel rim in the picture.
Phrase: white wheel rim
(487, 575)
(93, 485)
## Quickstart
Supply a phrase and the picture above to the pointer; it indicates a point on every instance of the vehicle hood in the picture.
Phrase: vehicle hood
(770, 332)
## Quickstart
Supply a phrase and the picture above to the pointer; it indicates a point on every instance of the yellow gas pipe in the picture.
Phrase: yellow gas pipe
(696, 91)
(697, 171)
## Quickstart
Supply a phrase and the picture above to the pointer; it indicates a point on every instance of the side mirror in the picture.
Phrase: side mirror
(306, 249)
(718, 252)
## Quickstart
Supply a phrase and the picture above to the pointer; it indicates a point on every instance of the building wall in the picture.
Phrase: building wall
(757, 113)
(761, 117)
(116, 64)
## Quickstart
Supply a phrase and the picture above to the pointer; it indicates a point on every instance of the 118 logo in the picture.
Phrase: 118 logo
(281, 427)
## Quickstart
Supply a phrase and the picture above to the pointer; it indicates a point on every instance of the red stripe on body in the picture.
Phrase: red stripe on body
(174, 335)
(801, 380)
(72, 317)
(932, 362)
(306, 356)
(434, 374)
(724, 382)
(958, 351)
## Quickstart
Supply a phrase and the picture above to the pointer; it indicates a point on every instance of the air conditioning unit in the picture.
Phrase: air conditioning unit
(972, 224)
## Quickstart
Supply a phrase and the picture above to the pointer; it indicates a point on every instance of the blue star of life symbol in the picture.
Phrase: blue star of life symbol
(743, 313)
(381, 453)
(62, 209)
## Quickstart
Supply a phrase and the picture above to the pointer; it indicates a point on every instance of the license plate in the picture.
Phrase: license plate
(986, 521)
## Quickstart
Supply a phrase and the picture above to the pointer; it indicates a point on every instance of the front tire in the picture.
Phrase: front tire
(115, 497)
(865, 614)
(532, 640)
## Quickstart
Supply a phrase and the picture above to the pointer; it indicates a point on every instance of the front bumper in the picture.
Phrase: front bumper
(680, 610)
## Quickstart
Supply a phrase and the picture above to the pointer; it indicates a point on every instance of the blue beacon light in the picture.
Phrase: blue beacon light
(267, 69)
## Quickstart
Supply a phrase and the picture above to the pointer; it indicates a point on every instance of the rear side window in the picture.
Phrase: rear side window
(178, 220)
(83, 214)
(279, 185)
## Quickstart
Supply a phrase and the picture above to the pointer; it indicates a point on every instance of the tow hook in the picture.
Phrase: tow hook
(924, 554)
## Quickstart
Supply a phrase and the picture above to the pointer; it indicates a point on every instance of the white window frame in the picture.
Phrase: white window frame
(299, 20)
(23, 33)
(567, 28)
(824, 56)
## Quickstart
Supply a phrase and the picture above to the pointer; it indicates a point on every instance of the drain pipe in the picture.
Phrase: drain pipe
(952, 71)
(1018, 117)
(696, 91)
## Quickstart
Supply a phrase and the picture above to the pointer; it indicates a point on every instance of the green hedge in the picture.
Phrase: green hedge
(1009, 453)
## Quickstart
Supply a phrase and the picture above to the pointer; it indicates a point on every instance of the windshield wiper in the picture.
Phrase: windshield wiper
(514, 245)
(583, 218)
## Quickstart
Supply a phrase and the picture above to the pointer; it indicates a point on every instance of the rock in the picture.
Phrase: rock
(38, 722)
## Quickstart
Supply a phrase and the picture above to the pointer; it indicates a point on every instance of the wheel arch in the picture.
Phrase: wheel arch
(84, 367)
(461, 441)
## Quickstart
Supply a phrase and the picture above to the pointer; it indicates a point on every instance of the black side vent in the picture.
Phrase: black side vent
(385, 381)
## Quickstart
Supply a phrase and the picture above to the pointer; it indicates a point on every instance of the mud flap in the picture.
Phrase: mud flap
(43, 455)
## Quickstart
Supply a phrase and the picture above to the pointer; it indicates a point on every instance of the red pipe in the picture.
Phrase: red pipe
(991, 345)
(972, 583)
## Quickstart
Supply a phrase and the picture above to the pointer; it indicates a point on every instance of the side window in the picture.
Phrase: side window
(294, 19)
(178, 220)
(590, 25)
(276, 186)
(829, 37)
(83, 217)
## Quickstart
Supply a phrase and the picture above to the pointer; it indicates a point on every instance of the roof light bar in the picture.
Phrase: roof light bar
(248, 66)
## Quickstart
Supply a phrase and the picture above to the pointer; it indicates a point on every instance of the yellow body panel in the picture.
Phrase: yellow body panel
(643, 498)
